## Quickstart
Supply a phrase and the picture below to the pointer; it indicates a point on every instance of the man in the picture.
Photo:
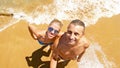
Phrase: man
(71, 45)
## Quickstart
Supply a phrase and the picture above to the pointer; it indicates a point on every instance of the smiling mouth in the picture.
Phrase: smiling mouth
(71, 40)
(51, 35)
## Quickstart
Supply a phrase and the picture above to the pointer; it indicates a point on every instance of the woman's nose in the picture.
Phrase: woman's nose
(52, 31)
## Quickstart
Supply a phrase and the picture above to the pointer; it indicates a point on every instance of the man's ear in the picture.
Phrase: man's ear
(83, 33)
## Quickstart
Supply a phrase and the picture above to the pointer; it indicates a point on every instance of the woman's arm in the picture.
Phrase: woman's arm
(35, 33)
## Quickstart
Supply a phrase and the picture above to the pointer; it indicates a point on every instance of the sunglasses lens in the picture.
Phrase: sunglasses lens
(50, 29)
(56, 32)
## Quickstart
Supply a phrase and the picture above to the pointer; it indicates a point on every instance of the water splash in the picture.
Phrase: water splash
(91, 60)
(89, 11)
(86, 10)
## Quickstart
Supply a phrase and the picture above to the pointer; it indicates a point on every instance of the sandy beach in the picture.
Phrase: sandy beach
(107, 33)
(19, 50)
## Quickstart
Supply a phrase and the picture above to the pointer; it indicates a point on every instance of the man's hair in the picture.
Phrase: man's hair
(78, 22)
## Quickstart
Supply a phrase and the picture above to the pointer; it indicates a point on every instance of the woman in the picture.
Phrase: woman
(50, 35)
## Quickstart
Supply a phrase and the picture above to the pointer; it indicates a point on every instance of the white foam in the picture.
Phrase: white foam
(89, 11)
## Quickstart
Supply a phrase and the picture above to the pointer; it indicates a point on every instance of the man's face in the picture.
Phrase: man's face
(73, 34)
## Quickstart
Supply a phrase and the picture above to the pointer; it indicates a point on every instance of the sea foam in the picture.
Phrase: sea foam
(89, 11)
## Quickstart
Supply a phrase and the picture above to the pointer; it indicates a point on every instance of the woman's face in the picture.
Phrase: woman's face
(53, 30)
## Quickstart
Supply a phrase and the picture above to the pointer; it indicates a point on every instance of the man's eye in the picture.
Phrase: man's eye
(76, 34)
(69, 32)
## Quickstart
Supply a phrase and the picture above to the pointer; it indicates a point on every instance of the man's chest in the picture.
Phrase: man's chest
(70, 51)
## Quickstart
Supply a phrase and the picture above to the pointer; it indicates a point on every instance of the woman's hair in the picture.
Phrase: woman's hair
(57, 22)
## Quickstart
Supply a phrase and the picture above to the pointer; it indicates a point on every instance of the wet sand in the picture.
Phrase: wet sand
(106, 32)
(19, 50)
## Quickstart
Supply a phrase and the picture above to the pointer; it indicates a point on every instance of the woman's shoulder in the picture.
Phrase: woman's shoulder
(61, 33)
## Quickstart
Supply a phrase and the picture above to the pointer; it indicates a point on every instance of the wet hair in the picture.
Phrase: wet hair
(78, 22)
(57, 22)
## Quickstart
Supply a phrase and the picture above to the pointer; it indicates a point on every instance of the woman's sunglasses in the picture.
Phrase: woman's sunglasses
(50, 29)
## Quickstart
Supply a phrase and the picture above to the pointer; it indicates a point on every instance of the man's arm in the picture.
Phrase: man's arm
(33, 31)
(79, 57)
(85, 47)
(53, 61)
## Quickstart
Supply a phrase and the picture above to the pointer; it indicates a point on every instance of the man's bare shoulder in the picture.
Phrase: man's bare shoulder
(85, 41)
(60, 34)
(56, 42)
(62, 38)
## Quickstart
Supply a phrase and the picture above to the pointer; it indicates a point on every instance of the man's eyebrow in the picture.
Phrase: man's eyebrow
(69, 30)
(76, 33)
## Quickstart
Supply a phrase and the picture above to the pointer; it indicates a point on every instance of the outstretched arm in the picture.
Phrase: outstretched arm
(79, 57)
(85, 47)
(33, 31)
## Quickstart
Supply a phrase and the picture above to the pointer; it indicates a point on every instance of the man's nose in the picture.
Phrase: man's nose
(72, 36)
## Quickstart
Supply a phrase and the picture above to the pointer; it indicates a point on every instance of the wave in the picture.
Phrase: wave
(89, 11)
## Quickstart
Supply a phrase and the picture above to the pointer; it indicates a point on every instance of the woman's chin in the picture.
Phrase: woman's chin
(71, 43)
(50, 37)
